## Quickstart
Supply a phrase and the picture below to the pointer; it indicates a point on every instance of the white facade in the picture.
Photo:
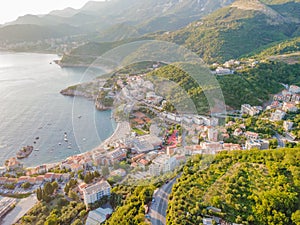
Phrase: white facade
(96, 191)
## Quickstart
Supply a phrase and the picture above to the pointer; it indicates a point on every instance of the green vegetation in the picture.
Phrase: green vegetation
(251, 85)
(232, 32)
(19, 196)
(45, 193)
(250, 187)
(132, 211)
(57, 211)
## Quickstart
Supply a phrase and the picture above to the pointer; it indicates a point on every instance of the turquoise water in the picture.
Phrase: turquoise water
(32, 109)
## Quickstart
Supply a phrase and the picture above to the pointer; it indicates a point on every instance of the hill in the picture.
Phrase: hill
(28, 32)
(249, 187)
(238, 29)
(122, 19)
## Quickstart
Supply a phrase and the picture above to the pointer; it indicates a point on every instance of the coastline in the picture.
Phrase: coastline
(121, 131)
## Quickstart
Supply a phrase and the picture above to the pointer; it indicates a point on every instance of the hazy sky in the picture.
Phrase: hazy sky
(11, 9)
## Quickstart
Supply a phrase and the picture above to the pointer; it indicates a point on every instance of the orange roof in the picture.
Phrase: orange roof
(48, 175)
(139, 115)
(40, 178)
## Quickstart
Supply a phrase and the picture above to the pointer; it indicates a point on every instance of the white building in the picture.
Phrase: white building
(278, 115)
(287, 125)
(162, 164)
(95, 192)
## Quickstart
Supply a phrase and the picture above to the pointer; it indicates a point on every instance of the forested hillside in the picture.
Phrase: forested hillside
(250, 187)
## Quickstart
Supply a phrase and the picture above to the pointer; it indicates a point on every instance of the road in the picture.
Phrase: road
(21, 208)
(280, 140)
(158, 210)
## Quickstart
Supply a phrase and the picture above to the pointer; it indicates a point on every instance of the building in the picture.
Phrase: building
(98, 216)
(162, 164)
(287, 125)
(117, 155)
(294, 89)
(257, 144)
(95, 192)
(289, 107)
(13, 164)
(212, 134)
(277, 115)
(251, 135)
(250, 110)
(147, 143)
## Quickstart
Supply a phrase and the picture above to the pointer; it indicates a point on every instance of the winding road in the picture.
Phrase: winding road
(158, 209)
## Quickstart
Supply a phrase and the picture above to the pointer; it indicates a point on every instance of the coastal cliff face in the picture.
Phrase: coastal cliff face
(93, 91)
(75, 92)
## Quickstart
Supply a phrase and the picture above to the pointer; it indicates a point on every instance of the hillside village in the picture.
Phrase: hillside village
(153, 142)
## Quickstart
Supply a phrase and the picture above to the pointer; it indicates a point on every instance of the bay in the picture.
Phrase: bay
(33, 110)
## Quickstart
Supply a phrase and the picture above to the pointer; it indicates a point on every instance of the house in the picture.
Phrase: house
(118, 172)
(238, 132)
(57, 177)
(32, 180)
(212, 134)
(231, 146)
(75, 167)
(40, 179)
(289, 107)
(12, 180)
(23, 179)
(95, 192)
(13, 164)
(294, 89)
(3, 180)
(143, 163)
(65, 177)
(277, 115)
(251, 135)
(48, 177)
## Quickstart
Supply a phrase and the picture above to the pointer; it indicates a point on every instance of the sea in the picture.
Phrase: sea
(33, 112)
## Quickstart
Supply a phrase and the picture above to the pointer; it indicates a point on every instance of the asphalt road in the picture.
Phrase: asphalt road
(158, 209)
(21, 208)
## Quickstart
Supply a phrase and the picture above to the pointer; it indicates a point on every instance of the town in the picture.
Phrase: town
(150, 142)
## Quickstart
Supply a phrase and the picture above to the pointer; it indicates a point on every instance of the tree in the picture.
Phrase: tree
(273, 143)
(73, 195)
(296, 217)
(77, 222)
(48, 189)
(39, 194)
(26, 185)
(105, 171)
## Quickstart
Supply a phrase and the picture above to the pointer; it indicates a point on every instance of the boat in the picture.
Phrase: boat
(24, 152)
(36, 149)
(59, 143)
(69, 147)
(79, 117)
(66, 139)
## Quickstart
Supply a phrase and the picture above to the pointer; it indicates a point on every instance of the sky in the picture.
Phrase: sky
(12, 9)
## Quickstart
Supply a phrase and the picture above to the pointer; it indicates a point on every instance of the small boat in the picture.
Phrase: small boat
(36, 149)
(79, 117)
(59, 143)
(84, 139)
(24, 152)
(65, 139)
(37, 138)
(69, 147)
(34, 142)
